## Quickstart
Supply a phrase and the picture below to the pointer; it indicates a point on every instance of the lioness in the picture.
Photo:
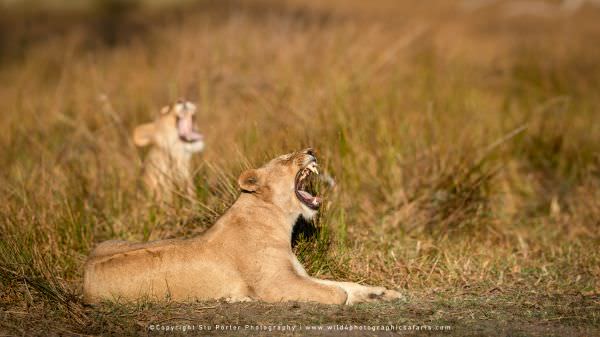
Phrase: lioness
(174, 140)
(245, 255)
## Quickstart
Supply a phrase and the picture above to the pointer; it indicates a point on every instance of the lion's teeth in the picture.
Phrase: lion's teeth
(179, 107)
(313, 168)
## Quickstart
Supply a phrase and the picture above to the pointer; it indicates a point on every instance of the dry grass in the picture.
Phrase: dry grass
(464, 145)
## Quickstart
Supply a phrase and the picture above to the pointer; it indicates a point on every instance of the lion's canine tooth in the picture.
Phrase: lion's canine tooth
(313, 168)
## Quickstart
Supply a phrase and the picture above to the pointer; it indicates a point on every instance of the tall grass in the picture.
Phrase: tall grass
(465, 153)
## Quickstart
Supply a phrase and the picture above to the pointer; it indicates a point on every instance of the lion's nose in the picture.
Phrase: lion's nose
(311, 152)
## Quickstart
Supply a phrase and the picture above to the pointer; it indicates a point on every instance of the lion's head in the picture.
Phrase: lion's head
(286, 182)
(172, 131)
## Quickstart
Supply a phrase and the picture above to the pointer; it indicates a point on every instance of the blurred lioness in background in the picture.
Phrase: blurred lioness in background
(246, 255)
(173, 139)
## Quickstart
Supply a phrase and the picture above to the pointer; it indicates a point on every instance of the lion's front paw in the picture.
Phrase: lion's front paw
(390, 295)
(359, 293)
(236, 299)
(371, 294)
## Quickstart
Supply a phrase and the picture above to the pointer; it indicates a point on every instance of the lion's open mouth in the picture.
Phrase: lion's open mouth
(305, 182)
(186, 131)
(185, 123)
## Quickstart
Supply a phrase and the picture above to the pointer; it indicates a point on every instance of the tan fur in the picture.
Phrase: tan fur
(167, 165)
(245, 255)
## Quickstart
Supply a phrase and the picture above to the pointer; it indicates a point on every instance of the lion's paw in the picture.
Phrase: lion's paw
(361, 293)
(236, 299)
(390, 295)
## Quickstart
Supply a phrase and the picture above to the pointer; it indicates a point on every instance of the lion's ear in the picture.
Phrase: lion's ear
(142, 135)
(248, 181)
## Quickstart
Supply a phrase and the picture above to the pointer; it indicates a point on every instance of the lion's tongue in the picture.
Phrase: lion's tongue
(309, 198)
(186, 130)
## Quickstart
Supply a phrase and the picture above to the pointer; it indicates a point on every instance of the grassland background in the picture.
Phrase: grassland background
(464, 143)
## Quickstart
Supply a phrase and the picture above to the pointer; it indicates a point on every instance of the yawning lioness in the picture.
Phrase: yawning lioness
(173, 139)
(245, 255)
